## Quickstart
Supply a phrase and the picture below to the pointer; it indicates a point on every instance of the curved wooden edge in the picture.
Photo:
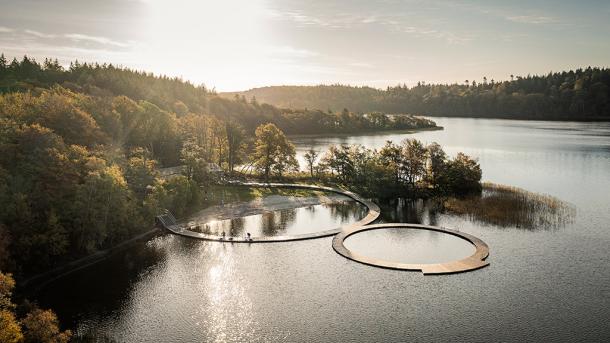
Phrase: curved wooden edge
(372, 215)
(473, 262)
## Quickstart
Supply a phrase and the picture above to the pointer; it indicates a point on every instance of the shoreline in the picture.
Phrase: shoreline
(364, 133)
(560, 120)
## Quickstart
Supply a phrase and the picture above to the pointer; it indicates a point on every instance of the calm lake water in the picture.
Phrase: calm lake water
(542, 285)
(412, 246)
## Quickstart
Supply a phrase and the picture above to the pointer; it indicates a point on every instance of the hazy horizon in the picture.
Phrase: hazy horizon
(238, 44)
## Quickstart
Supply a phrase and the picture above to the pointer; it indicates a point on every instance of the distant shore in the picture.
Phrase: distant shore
(365, 133)
(575, 120)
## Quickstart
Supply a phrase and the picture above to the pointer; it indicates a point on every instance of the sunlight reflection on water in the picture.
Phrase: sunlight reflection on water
(225, 294)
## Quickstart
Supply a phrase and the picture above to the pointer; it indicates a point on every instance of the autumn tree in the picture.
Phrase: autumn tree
(273, 151)
(38, 326)
(42, 326)
(10, 331)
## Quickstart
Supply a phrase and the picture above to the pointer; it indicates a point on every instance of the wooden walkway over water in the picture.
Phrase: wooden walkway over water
(475, 261)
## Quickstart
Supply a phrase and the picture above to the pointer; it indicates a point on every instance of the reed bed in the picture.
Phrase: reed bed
(513, 207)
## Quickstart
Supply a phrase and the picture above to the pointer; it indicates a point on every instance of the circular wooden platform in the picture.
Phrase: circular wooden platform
(475, 261)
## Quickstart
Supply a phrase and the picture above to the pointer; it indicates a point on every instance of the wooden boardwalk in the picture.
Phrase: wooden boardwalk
(372, 215)
(475, 261)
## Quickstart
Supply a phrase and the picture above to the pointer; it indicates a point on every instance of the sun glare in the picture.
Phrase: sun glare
(222, 42)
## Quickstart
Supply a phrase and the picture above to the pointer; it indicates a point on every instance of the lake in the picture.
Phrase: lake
(550, 284)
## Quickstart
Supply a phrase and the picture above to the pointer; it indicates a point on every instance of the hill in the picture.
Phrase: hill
(324, 97)
(582, 94)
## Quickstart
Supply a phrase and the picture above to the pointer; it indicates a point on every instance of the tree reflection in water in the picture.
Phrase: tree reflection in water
(275, 222)
(416, 211)
(345, 210)
(236, 226)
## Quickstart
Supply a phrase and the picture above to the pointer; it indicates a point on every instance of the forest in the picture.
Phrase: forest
(181, 98)
(581, 94)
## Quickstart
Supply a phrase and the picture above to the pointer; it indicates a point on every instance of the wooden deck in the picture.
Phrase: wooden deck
(475, 261)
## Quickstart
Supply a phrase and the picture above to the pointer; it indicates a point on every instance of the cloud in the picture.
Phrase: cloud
(531, 19)
(65, 47)
(361, 65)
(95, 39)
(303, 20)
(39, 34)
(58, 38)
(333, 20)
(428, 32)
(65, 54)
(394, 22)
(290, 51)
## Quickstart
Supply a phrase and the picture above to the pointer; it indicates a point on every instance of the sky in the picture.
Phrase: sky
(233, 45)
